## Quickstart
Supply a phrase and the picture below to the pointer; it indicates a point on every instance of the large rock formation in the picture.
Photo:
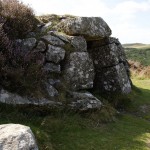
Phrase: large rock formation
(82, 56)
(16, 137)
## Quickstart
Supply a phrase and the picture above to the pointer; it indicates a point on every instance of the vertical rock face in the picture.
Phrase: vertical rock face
(16, 137)
(112, 74)
(79, 71)
(113, 80)
(105, 56)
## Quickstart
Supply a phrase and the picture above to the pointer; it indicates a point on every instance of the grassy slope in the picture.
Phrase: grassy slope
(63, 131)
(141, 55)
(138, 52)
(143, 97)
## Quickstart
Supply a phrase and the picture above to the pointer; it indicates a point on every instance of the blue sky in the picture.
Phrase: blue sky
(128, 19)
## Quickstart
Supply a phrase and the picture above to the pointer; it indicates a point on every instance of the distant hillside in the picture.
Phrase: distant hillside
(138, 52)
(136, 45)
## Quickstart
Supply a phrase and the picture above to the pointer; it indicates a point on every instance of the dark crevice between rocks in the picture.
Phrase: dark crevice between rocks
(100, 43)
(120, 62)
(110, 66)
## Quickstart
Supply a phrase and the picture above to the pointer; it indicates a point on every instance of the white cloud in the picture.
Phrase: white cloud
(121, 17)
(132, 7)
(126, 27)
(75, 7)
(130, 34)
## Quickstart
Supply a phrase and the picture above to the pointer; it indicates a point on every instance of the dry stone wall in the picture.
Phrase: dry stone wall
(79, 54)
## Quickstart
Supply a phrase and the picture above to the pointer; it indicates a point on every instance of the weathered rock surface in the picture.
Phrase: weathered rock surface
(111, 67)
(46, 27)
(113, 79)
(79, 43)
(59, 35)
(105, 56)
(41, 47)
(108, 43)
(79, 71)
(51, 90)
(92, 28)
(55, 83)
(83, 101)
(28, 44)
(51, 67)
(53, 40)
(55, 54)
(15, 99)
(16, 137)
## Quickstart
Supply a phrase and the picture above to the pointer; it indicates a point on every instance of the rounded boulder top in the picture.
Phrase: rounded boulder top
(92, 28)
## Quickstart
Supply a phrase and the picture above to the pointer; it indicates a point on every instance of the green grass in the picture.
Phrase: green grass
(141, 95)
(141, 98)
(68, 131)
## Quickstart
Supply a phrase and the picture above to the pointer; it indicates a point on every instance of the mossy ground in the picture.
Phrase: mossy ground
(71, 131)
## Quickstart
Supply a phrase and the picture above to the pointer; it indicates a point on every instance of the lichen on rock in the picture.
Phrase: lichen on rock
(16, 137)
(92, 28)
(79, 71)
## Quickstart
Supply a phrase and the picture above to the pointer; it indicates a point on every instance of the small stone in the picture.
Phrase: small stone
(16, 137)
(55, 54)
(56, 83)
(79, 43)
(53, 81)
(59, 35)
(46, 27)
(28, 44)
(83, 101)
(52, 92)
(51, 67)
(41, 47)
(53, 40)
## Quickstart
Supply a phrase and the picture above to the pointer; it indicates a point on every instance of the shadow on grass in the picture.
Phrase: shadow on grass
(140, 96)
(67, 131)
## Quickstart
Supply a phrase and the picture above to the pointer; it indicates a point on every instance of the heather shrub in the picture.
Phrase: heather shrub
(5, 48)
(24, 79)
(20, 72)
(20, 18)
(138, 70)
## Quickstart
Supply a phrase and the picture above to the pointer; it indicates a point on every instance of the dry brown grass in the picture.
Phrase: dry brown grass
(138, 70)
(20, 18)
